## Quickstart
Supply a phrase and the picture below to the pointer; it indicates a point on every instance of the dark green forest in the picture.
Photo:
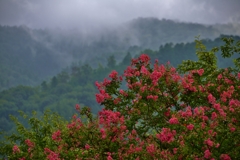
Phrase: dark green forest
(46, 69)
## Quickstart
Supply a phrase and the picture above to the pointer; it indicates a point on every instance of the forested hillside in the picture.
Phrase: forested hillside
(29, 56)
(76, 84)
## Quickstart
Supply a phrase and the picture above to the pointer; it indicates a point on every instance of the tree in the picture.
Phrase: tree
(111, 62)
(44, 86)
(126, 59)
(54, 82)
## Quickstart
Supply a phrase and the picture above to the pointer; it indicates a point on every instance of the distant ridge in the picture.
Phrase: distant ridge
(28, 56)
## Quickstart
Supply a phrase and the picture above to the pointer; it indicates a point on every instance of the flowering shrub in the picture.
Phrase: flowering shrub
(161, 114)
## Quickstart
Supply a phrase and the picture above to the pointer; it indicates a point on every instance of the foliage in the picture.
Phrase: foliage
(161, 115)
(230, 48)
(38, 135)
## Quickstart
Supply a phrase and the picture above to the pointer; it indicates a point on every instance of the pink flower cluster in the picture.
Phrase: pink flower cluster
(174, 120)
(15, 149)
(102, 96)
(109, 118)
(113, 75)
(56, 136)
(51, 155)
(166, 135)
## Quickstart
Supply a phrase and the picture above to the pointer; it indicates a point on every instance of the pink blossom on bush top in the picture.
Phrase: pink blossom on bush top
(190, 127)
(209, 142)
(56, 136)
(144, 58)
(113, 74)
(166, 135)
(225, 157)
(207, 154)
(51, 155)
(173, 121)
(200, 72)
(211, 99)
(15, 149)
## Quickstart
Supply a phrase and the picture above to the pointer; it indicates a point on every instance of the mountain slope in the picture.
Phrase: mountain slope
(28, 56)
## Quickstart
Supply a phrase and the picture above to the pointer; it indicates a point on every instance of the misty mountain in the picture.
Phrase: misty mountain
(28, 56)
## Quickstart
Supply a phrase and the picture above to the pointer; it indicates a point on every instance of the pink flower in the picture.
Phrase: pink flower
(225, 157)
(207, 154)
(219, 76)
(214, 115)
(51, 155)
(187, 113)
(109, 156)
(222, 113)
(144, 58)
(116, 100)
(98, 85)
(29, 143)
(232, 129)
(209, 142)
(77, 107)
(152, 97)
(166, 135)
(122, 92)
(56, 136)
(106, 82)
(99, 98)
(113, 74)
(129, 72)
(144, 70)
(233, 102)
(211, 99)
(200, 72)
(190, 127)
(103, 133)
(87, 147)
(151, 149)
(15, 149)
(175, 150)
(155, 76)
(203, 125)
(134, 132)
(173, 121)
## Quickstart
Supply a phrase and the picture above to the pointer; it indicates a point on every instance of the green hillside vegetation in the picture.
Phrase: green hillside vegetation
(76, 84)
(24, 60)
(176, 53)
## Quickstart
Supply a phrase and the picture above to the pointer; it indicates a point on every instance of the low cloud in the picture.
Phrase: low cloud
(100, 13)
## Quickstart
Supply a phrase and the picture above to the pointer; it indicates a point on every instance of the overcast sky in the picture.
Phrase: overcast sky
(79, 13)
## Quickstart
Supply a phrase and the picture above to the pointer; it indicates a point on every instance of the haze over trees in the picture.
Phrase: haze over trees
(29, 56)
